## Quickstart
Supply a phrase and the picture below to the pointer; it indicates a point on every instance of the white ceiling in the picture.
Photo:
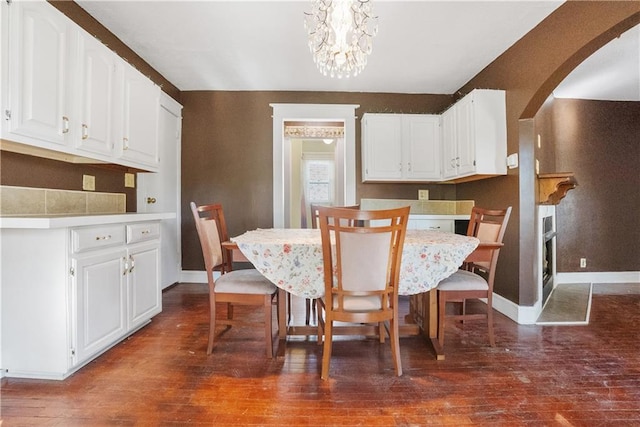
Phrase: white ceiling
(422, 46)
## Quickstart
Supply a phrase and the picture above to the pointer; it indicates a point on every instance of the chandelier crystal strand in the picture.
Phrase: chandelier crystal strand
(340, 35)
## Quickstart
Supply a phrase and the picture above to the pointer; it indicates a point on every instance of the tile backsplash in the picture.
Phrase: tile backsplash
(423, 207)
(43, 201)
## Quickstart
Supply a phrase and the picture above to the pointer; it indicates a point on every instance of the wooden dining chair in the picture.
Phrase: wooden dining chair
(310, 303)
(476, 276)
(361, 273)
(233, 287)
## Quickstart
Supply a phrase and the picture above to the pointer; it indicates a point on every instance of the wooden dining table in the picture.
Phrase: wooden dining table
(292, 260)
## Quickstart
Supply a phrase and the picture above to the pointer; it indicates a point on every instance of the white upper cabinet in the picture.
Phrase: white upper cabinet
(468, 141)
(400, 147)
(96, 98)
(138, 128)
(41, 52)
(65, 91)
(474, 135)
(381, 147)
(421, 137)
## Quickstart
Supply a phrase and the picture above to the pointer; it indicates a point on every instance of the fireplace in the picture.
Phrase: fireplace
(547, 252)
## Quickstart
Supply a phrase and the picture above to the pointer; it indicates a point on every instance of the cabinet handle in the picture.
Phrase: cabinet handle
(457, 161)
(409, 166)
(126, 266)
(151, 200)
(125, 142)
(133, 263)
(85, 133)
(400, 167)
(65, 124)
(107, 237)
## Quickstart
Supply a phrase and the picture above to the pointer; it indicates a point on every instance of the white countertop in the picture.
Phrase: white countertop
(62, 221)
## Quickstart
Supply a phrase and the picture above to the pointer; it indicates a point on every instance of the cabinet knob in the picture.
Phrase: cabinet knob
(151, 200)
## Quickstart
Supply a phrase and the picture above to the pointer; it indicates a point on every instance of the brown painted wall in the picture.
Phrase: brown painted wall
(529, 71)
(600, 142)
(227, 144)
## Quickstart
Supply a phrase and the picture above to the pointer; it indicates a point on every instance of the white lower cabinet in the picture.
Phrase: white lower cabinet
(417, 223)
(143, 278)
(100, 302)
(69, 294)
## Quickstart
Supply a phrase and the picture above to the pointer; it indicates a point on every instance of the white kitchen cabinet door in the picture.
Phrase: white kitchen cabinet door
(143, 283)
(401, 147)
(465, 137)
(139, 118)
(160, 191)
(474, 135)
(41, 53)
(421, 146)
(449, 144)
(100, 295)
(382, 147)
(96, 97)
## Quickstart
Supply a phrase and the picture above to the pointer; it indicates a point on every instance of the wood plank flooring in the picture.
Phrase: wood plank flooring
(535, 376)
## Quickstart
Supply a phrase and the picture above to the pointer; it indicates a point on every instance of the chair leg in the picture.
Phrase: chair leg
(395, 344)
(229, 311)
(492, 339)
(212, 322)
(320, 324)
(268, 326)
(307, 310)
(442, 301)
(326, 351)
(288, 308)
(381, 332)
(314, 304)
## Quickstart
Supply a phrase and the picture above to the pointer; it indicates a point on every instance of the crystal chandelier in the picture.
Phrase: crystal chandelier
(340, 35)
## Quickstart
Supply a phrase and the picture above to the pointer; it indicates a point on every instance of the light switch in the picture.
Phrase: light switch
(89, 182)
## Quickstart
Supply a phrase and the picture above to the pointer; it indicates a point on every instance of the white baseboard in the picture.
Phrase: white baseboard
(521, 314)
(192, 276)
(599, 277)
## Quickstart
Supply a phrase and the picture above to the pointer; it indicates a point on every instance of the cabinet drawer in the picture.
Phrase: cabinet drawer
(84, 239)
(445, 225)
(142, 232)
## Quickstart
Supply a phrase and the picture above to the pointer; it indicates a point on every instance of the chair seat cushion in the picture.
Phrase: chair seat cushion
(463, 280)
(244, 282)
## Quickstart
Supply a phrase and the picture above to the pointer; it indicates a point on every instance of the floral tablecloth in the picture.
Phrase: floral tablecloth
(292, 258)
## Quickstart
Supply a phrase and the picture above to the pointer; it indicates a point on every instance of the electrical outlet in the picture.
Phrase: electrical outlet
(423, 194)
(129, 180)
(89, 182)
(583, 263)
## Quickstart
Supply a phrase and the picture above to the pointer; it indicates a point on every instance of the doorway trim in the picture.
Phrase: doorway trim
(281, 148)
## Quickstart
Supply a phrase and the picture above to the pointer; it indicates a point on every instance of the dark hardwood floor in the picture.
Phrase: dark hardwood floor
(535, 376)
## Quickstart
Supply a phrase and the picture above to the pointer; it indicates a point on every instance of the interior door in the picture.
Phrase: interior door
(160, 192)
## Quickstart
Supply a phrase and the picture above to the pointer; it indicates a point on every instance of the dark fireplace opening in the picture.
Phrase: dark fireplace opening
(548, 257)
